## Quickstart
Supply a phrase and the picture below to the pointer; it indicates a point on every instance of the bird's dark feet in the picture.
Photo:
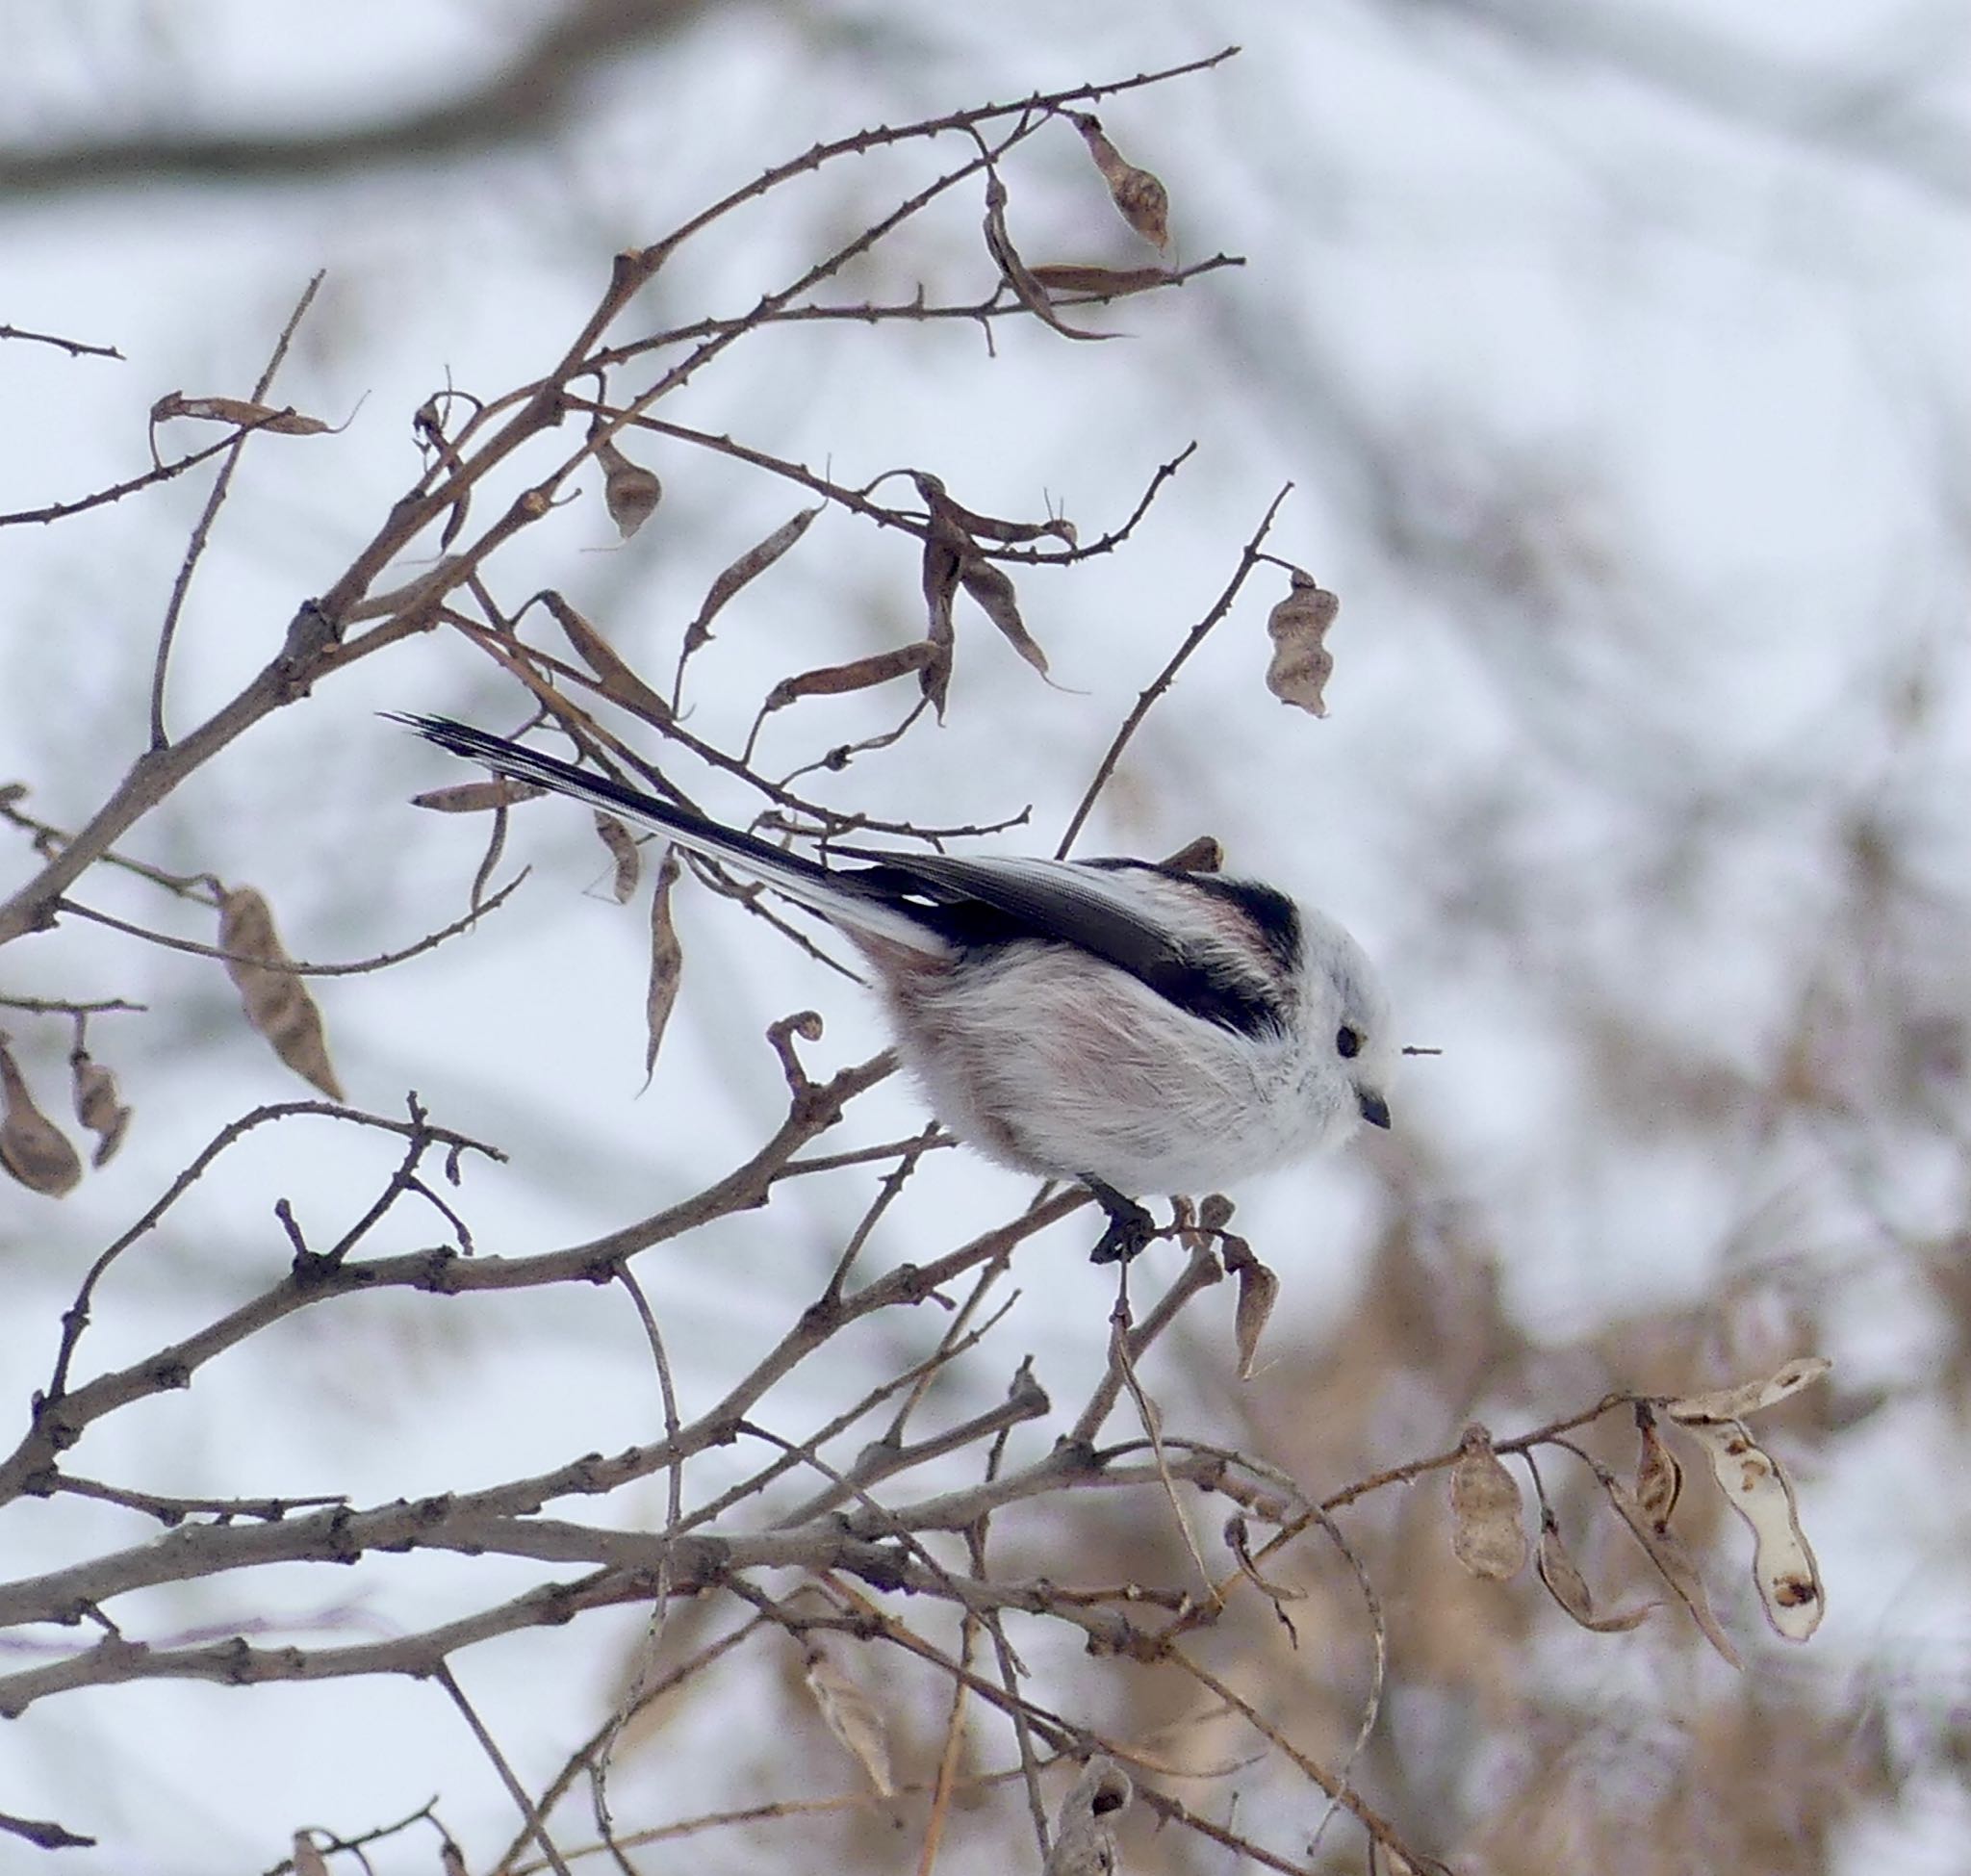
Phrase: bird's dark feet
(1130, 1226)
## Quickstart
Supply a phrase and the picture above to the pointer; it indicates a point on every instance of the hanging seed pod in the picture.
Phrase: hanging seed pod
(281, 420)
(631, 492)
(94, 1090)
(1084, 1845)
(1488, 1528)
(1140, 199)
(1302, 663)
(31, 1147)
(667, 963)
(276, 1001)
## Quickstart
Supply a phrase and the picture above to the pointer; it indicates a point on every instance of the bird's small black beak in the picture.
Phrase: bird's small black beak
(1374, 1108)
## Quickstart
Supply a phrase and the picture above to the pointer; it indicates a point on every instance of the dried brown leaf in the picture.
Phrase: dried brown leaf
(282, 421)
(1302, 663)
(477, 796)
(1141, 200)
(991, 591)
(32, 1149)
(1028, 290)
(1736, 1402)
(1259, 1289)
(631, 492)
(859, 674)
(624, 851)
(1782, 1564)
(851, 1717)
(277, 1002)
(954, 517)
(1567, 1587)
(943, 557)
(620, 684)
(1659, 1474)
(1105, 282)
(1488, 1525)
(1674, 1562)
(667, 963)
(748, 566)
(1084, 1845)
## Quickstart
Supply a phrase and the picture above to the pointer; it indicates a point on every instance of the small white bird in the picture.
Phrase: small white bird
(1113, 1021)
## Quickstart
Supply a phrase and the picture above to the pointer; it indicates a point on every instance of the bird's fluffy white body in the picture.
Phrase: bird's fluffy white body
(1143, 1030)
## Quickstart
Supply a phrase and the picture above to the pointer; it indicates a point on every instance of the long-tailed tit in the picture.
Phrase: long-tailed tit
(1113, 1021)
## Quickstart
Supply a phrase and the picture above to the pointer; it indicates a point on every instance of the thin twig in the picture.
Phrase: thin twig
(202, 528)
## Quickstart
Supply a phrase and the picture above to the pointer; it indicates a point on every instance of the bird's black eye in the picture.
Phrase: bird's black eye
(1347, 1042)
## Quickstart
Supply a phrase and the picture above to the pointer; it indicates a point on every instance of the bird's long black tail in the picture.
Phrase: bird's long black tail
(838, 895)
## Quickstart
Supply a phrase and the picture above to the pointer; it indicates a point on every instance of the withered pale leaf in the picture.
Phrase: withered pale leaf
(32, 1149)
(1302, 663)
(1104, 282)
(631, 492)
(1140, 199)
(1673, 1559)
(748, 566)
(859, 674)
(667, 963)
(477, 796)
(1084, 1845)
(620, 684)
(1488, 1522)
(851, 1717)
(1782, 1564)
(277, 1002)
(1567, 1587)
(1736, 1402)
(281, 420)
(991, 591)
(624, 851)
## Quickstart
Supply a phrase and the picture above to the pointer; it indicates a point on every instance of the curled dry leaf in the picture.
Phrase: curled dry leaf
(859, 674)
(278, 1001)
(624, 851)
(94, 1090)
(1488, 1527)
(748, 566)
(477, 796)
(1736, 1402)
(943, 557)
(851, 1717)
(282, 421)
(619, 683)
(32, 1149)
(1783, 1565)
(1140, 199)
(1673, 1559)
(1302, 663)
(970, 523)
(631, 492)
(1259, 1289)
(1084, 1845)
(1028, 290)
(1567, 1587)
(667, 963)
